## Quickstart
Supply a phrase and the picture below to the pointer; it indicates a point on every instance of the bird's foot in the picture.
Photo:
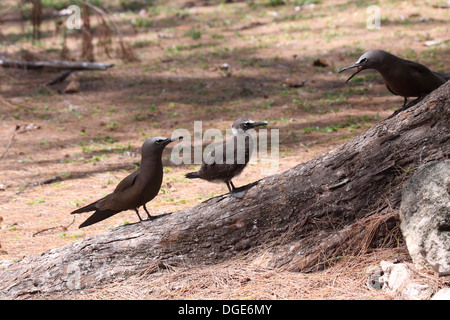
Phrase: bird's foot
(395, 113)
(149, 217)
(405, 106)
(412, 103)
(239, 193)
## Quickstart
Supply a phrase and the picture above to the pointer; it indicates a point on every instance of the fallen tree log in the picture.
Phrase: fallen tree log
(55, 64)
(340, 202)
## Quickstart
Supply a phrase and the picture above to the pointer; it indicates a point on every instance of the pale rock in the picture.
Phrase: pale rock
(443, 294)
(425, 216)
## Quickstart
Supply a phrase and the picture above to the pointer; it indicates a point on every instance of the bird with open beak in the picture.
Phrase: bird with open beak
(402, 77)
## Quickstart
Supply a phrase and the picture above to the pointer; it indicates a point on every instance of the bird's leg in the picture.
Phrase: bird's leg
(412, 103)
(405, 106)
(228, 186)
(148, 214)
(404, 102)
(137, 212)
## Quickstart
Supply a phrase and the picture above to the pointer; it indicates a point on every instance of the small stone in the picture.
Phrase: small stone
(443, 294)
(320, 63)
(72, 87)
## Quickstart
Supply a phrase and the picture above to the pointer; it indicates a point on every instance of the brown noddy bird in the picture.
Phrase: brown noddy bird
(136, 189)
(227, 160)
(402, 77)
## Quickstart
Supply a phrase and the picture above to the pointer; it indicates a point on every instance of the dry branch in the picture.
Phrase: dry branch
(18, 129)
(301, 219)
(59, 78)
(10, 141)
(55, 64)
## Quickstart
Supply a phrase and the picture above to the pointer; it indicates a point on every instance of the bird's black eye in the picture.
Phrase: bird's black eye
(159, 141)
(364, 60)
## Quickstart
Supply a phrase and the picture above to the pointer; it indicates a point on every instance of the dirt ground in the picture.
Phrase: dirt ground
(195, 61)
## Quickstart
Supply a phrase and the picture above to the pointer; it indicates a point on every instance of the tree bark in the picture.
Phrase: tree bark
(341, 202)
(86, 35)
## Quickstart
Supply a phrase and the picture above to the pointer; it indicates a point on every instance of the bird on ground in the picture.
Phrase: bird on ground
(402, 77)
(136, 189)
(228, 159)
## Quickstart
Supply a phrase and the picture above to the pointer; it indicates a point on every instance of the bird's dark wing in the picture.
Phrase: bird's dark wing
(209, 170)
(425, 79)
(123, 185)
(446, 77)
(98, 215)
(101, 206)
(127, 182)
(90, 207)
(220, 165)
(211, 157)
(390, 90)
(423, 71)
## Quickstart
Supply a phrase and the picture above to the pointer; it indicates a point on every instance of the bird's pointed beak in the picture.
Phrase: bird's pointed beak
(258, 124)
(169, 140)
(358, 67)
(176, 139)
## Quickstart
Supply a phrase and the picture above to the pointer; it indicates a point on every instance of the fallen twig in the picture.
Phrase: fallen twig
(59, 79)
(46, 181)
(10, 141)
(55, 64)
(63, 228)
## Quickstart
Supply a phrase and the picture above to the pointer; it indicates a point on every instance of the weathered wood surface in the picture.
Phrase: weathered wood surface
(297, 219)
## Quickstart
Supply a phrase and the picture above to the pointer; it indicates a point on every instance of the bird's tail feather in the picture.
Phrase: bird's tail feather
(89, 207)
(192, 175)
(97, 216)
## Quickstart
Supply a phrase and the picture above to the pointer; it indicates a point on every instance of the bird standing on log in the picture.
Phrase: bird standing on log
(227, 160)
(136, 189)
(402, 77)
